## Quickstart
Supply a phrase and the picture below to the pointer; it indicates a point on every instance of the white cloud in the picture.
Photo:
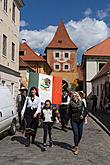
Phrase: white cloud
(103, 13)
(85, 33)
(88, 12)
(23, 23)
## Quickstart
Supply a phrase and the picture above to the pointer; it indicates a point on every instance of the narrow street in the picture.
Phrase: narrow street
(94, 148)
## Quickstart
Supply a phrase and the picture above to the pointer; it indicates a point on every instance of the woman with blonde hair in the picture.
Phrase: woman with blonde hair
(77, 115)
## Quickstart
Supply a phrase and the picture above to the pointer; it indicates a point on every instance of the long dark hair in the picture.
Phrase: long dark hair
(32, 88)
(48, 102)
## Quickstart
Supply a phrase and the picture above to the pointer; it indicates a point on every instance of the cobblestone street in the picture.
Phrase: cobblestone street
(94, 149)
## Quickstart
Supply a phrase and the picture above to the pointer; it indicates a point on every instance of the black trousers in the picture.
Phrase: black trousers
(64, 115)
(19, 118)
(31, 123)
(47, 127)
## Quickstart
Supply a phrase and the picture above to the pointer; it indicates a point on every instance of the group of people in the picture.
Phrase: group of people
(73, 108)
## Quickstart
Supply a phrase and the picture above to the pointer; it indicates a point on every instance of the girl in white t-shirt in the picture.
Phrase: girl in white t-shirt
(48, 116)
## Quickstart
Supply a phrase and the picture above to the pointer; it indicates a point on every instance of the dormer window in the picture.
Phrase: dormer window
(59, 41)
(21, 53)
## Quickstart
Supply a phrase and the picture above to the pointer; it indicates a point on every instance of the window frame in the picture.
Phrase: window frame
(5, 5)
(59, 66)
(13, 12)
(13, 52)
(57, 58)
(65, 65)
(4, 42)
(68, 55)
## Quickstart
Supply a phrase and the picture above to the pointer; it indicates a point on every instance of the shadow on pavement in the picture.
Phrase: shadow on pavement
(63, 145)
(56, 127)
(39, 144)
(19, 139)
(104, 118)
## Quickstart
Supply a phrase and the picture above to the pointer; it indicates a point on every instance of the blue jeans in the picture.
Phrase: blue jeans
(77, 131)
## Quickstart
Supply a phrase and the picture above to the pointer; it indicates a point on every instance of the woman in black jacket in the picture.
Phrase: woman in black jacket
(77, 115)
(31, 111)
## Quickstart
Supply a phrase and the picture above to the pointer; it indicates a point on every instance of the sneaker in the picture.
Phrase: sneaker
(50, 143)
(76, 152)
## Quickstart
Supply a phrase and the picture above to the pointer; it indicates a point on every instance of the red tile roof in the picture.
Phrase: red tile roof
(23, 64)
(61, 39)
(101, 49)
(29, 54)
(103, 71)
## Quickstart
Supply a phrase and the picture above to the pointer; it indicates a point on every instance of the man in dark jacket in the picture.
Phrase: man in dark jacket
(20, 103)
(64, 110)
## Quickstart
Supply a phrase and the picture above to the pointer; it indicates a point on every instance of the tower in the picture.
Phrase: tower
(61, 55)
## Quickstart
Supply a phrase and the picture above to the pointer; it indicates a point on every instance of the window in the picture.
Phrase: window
(5, 5)
(13, 12)
(13, 51)
(57, 55)
(21, 53)
(66, 55)
(4, 45)
(57, 66)
(12, 88)
(66, 67)
(3, 82)
(101, 65)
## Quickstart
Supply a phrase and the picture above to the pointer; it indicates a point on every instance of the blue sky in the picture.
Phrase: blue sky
(82, 18)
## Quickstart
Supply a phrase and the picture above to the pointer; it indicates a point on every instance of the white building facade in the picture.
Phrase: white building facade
(9, 43)
(101, 86)
(92, 62)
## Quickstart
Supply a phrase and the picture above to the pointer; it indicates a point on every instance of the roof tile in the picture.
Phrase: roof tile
(61, 39)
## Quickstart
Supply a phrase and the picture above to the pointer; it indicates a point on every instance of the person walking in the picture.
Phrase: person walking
(48, 116)
(20, 100)
(77, 115)
(94, 104)
(31, 111)
(64, 116)
(82, 95)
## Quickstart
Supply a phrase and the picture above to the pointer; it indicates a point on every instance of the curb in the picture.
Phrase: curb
(99, 123)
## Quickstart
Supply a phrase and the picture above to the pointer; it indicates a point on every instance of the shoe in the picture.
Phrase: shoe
(33, 142)
(73, 149)
(44, 147)
(50, 143)
(27, 144)
(65, 130)
(33, 139)
(76, 152)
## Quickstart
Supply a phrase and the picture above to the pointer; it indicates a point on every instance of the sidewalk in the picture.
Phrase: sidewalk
(101, 118)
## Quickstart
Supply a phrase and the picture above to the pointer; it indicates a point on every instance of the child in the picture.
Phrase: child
(48, 116)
